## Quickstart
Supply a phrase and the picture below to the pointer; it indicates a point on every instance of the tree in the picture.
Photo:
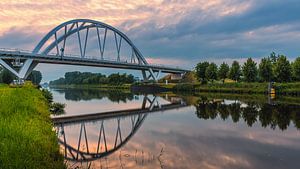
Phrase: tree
(211, 72)
(93, 78)
(296, 69)
(273, 57)
(265, 70)
(114, 79)
(235, 71)
(200, 70)
(250, 70)
(223, 71)
(35, 77)
(6, 76)
(283, 69)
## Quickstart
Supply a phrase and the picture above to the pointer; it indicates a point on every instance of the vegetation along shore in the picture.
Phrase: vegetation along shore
(27, 139)
(248, 78)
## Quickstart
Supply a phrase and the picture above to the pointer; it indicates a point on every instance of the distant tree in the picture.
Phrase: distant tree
(35, 77)
(265, 70)
(283, 69)
(103, 80)
(296, 69)
(6, 76)
(211, 72)
(129, 78)
(93, 78)
(250, 70)
(200, 70)
(273, 57)
(223, 71)
(114, 79)
(235, 71)
(60, 81)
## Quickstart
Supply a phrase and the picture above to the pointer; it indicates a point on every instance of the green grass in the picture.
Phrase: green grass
(26, 136)
(234, 88)
(292, 89)
(288, 88)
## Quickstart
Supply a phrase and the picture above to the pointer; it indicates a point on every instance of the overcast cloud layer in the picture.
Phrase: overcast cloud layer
(178, 32)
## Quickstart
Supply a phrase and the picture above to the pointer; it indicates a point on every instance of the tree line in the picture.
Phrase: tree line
(7, 77)
(76, 77)
(275, 68)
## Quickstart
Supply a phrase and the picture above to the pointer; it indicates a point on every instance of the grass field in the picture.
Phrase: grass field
(26, 136)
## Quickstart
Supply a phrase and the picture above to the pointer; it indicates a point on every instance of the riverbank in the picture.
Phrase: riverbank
(26, 131)
(192, 99)
(291, 89)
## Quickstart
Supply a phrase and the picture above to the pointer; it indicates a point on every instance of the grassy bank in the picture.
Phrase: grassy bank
(27, 139)
(292, 89)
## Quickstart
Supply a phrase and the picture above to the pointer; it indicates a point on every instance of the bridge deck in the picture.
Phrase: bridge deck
(76, 60)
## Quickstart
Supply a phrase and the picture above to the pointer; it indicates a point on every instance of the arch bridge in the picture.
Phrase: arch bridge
(91, 43)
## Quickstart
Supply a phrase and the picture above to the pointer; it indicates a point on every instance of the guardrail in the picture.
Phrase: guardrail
(78, 56)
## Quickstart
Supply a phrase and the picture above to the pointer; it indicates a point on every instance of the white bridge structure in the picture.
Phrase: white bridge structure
(110, 48)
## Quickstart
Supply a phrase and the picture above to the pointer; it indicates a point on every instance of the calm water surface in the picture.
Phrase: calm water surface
(174, 131)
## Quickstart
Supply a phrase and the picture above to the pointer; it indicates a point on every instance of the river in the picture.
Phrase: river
(126, 130)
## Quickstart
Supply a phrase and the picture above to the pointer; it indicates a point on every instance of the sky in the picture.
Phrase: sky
(170, 32)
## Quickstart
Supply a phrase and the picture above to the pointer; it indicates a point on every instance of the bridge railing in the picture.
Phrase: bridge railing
(18, 50)
(15, 50)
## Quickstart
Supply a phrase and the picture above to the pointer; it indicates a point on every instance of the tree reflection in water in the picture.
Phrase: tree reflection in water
(278, 115)
(89, 94)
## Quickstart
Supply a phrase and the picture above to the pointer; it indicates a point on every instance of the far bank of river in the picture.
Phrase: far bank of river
(290, 89)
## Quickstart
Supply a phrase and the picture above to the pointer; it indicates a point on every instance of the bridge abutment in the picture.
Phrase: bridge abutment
(21, 69)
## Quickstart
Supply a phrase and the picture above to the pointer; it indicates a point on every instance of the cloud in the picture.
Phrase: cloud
(190, 30)
(18, 38)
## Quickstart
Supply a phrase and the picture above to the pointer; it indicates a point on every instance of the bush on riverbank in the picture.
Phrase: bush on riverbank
(27, 139)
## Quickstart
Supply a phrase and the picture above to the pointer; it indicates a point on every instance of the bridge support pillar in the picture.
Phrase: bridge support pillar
(153, 75)
(21, 70)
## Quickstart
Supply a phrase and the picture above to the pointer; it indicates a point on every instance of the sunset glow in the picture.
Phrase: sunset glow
(171, 31)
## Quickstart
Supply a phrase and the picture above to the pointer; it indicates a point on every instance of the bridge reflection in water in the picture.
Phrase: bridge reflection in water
(88, 137)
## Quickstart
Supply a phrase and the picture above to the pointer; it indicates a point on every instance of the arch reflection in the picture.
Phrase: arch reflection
(85, 138)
